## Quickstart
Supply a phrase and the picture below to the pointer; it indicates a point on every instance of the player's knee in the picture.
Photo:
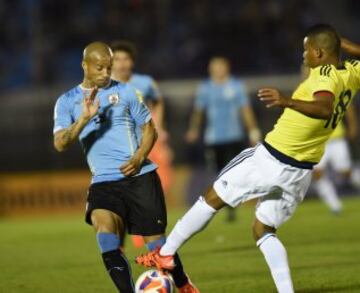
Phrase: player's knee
(346, 174)
(259, 230)
(103, 222)
(317, 174)
(213, 200)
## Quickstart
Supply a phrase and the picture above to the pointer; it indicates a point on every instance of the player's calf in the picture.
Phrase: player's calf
(275, 255)
(259, 230)
(106, 225)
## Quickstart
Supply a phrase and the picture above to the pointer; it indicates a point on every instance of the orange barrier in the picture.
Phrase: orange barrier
(63, 191)
(32, 193)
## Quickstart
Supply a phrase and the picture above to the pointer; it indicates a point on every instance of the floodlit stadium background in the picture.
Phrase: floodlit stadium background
(41, 55)
(41, 50)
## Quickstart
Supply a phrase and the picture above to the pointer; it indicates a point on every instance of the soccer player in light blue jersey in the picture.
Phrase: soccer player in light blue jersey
(125, 192)
(229, 121)
(123, 66)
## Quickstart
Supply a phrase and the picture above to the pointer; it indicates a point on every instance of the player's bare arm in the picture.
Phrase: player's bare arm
(65, 137)
(350, 47)
(251, 124)
(159, 109)
(149, 136)
(195, 123)
(320, 108)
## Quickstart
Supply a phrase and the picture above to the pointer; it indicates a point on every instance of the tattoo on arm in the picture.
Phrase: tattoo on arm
(67, 136)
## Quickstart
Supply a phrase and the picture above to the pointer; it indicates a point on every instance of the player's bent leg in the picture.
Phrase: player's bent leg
(193, 221)
(260, 230)
(326, 190)
(275, 255)
(174, 265)
(108, 227)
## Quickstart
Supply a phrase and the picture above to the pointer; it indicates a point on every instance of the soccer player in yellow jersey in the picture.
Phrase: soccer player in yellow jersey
(337, 153)
(278, 171)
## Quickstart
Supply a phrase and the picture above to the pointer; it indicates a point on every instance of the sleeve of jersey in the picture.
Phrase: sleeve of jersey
(242, 96)
(322, 80)
(62, 115)
(138, 110)
(200, 98)
(154, 92)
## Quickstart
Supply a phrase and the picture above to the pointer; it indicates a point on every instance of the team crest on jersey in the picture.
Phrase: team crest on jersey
(114, 99)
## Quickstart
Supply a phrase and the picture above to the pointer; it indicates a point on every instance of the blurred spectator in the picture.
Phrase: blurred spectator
(223, 103)
(42, 38)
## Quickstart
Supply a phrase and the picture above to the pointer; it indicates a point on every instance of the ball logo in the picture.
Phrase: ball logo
(114, 99)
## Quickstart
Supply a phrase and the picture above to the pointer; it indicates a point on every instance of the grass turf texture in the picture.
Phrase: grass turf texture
(60, 254)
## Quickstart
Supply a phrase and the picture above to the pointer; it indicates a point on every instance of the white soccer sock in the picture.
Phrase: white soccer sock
(327, 192)
(276, 258)
(192, 222)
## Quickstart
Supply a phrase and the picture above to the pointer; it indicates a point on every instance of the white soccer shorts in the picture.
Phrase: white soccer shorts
(255, 173)
(336, 155)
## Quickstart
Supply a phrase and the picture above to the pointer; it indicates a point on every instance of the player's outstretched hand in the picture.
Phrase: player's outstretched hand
(132, 167)
(90, 105)
(350, 47)
(273, 98)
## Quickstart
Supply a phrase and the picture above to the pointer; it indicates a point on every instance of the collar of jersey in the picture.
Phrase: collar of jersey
(102, 88)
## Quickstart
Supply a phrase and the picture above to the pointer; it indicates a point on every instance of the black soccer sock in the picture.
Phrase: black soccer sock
(178, 274)
(119, 270)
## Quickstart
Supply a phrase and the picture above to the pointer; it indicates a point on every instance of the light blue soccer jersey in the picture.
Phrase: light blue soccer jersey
(148, 88)
(146, 85)
(221, 104)
(109, 139)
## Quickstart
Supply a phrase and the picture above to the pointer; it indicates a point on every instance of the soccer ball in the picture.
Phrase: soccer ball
(153, 281)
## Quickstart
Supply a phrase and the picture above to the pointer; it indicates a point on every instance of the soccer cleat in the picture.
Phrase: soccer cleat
(154, 259)
(189, 288)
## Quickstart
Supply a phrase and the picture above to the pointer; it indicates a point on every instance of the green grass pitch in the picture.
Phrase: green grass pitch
(59, 254)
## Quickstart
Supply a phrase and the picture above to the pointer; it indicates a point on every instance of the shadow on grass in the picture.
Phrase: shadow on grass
(347, 288)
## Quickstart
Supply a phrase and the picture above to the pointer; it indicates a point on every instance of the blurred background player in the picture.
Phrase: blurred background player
(126, 191)
(230, 123)
(336, 157)
(123, 64)
(337, 153)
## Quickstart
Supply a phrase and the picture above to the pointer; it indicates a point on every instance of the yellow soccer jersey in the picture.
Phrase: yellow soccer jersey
(339, 131)
(351, 77)
(303, 138)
